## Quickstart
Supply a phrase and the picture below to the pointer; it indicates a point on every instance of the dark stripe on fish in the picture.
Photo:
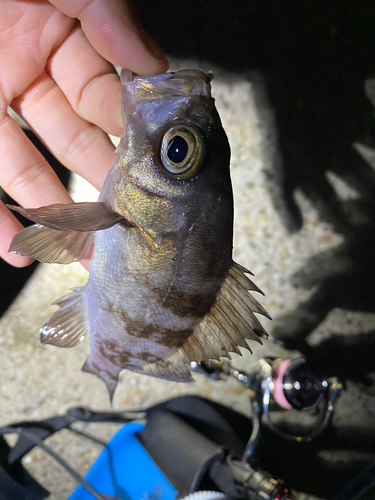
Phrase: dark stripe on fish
(182, 304)
(119, 356)
(148, 331)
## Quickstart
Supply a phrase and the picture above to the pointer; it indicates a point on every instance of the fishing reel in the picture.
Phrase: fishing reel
(282, 393)
(286, 396)
(292, 400)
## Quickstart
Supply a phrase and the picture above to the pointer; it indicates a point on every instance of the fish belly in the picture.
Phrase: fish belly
(142, 303)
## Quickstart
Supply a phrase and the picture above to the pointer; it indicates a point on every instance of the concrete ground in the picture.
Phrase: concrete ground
(40, 381)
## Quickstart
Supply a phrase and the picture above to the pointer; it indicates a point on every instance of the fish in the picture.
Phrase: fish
(163, 288)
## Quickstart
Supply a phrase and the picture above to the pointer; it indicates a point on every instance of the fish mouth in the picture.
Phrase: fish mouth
(193, 73)
(183, 83)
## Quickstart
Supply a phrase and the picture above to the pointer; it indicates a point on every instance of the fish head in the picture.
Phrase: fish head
(172, 167)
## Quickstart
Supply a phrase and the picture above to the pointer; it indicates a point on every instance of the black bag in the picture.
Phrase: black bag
(187, 430)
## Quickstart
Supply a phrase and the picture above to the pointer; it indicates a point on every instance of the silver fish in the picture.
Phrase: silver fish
(163, 289)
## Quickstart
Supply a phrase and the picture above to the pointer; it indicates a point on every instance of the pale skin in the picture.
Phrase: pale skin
(56, 61)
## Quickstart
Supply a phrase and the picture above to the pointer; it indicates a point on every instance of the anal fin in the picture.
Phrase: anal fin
(69, 324)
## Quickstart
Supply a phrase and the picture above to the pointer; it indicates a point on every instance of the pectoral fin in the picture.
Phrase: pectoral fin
(52, 245)
(63, 233)
(73, 216)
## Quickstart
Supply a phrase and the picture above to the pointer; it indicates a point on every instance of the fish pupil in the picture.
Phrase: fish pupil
(177, 149)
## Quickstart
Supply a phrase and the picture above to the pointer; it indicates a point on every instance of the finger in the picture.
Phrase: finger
(28, 33)
(24, 174)
(89, 82)
(9, 226)
(115, 31)
(77, 144)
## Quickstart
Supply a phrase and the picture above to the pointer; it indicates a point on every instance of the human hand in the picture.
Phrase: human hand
(56, 73)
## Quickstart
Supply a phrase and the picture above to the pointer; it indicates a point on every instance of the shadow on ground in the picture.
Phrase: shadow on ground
(317, 61)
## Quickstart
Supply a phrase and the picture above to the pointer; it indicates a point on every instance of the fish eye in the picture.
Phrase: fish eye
(182, 151)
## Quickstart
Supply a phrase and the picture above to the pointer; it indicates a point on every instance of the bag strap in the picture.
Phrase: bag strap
(222, 425)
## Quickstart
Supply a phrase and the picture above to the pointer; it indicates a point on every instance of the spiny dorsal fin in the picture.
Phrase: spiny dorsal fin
(51, 245)
(242, 280)
(227, 325)
(69, 324)
(231, 319)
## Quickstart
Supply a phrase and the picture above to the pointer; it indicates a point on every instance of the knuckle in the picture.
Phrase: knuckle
(25, 177)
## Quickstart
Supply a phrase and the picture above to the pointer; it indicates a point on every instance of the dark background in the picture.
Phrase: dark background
(317, 59)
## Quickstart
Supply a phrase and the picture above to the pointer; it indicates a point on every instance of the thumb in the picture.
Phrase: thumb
(116, 33)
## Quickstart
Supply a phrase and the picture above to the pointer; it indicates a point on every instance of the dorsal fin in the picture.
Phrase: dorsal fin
(227, 325)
